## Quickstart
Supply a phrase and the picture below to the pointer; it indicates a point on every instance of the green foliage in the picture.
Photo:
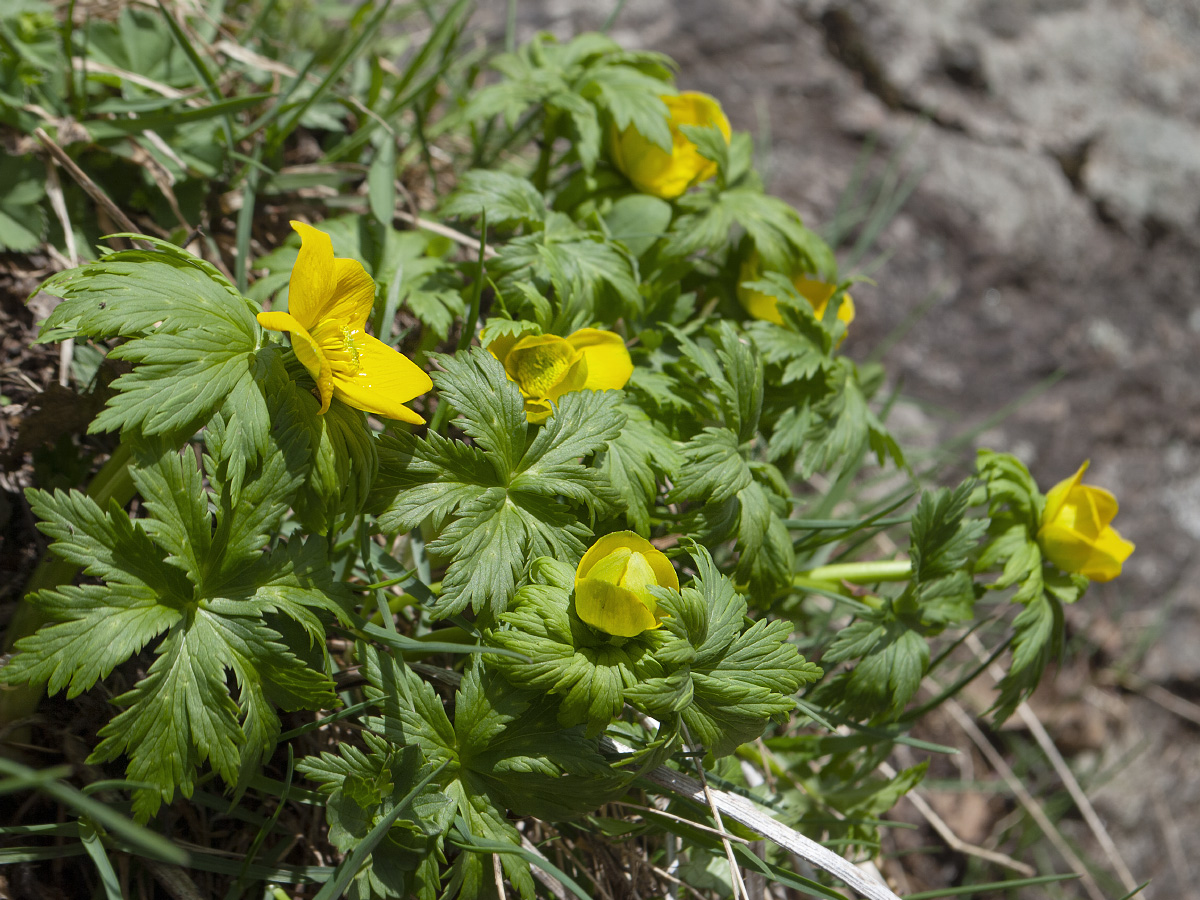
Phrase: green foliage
(724, 677)
(22, 219)
(1015, 507)
(207, 585)
(503, 750)
(579, 86)
(261, 526)
(190, 336)
(500, 502)
(365, 788)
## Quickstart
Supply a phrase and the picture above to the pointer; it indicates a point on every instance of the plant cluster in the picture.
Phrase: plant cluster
(569, 536)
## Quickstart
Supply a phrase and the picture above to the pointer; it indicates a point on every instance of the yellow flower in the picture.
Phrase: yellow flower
(765, 307)
(1075, 533)
(611, 582)
(329, 300)
(667, 175)
(546, 366)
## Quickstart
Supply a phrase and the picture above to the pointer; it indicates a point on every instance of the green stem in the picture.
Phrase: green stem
(871, 572)
(112, 482)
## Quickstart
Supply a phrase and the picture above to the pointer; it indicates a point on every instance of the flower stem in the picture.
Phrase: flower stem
(870, 572)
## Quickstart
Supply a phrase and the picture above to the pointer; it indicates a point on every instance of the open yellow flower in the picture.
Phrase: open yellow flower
(546, 366)
(611, 584)
(667, 175)
(329, 300)
(763, 306)
(1075, 533)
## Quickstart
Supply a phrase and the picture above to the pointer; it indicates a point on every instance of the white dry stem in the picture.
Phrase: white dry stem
(1038, 730)
(66, 351)
(165, 90)
(447, 232)
(90, 187)
(735, 872)
(745, 813)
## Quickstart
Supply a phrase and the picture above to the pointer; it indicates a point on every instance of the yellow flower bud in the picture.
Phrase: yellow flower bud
(611, 584)
(667, 175)
(546, 366)
(1075, 533)
(765, 307)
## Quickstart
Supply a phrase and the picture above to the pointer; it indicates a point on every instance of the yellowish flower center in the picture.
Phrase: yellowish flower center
(538, 369)
(337, 345)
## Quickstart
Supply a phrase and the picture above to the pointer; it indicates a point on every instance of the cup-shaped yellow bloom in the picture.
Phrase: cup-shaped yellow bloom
(667, 175)
(546, 366)
(611, 584)
(329, 300)
(1075, 533)
(765, 307)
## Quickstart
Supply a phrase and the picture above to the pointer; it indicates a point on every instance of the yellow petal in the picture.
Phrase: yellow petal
(1064, 546)
(313, 277)
(502, 345)
(1104, 504)
(638, 574)
(612, 609)
(819, 293)
(353, 295)
(1108, 554)
(664, 572)
(307, 350)
(537, 411)
(1057, 495)
(667, 175)
(608, 362)
(385, 381)
(760, 306)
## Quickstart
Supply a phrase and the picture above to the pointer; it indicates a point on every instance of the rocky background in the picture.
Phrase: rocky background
(1051, 248)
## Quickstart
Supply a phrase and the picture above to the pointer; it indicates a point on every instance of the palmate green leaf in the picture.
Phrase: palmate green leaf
(713, 468)
(364, 787)
(764, 544)
(836, 425)
(892, 660)
(633, 98)
(728, 376)
(1038, 635)
(942, 539)
(567, 659)
(504, 750)
(742, 677)
(182, 713)
(600, 272)
(97, 628)
(711, 217)
(208, 584)
(574, 83)
(507, 199)
(193, 340)
(501, 502)
(633, 463)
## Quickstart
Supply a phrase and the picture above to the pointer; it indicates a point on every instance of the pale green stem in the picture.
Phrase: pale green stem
(859, 572)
